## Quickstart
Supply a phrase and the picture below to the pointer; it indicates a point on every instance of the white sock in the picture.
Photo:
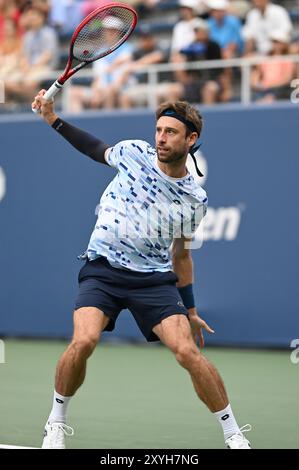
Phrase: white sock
(59, 408)
(227, 421)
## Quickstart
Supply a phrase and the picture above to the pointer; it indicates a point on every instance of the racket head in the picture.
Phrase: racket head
(91, 40)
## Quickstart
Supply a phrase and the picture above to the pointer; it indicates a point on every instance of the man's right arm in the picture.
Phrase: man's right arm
(81, 140)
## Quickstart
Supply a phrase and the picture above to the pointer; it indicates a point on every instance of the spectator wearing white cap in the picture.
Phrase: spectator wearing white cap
(105, 88)
(183, 33)
(225, 28)
(271, 80)
(264, 19)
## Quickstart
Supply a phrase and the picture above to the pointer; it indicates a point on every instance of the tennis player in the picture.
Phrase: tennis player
(139, 258)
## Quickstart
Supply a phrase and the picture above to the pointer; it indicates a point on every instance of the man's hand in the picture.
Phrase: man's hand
(197, 324)
(45, 108)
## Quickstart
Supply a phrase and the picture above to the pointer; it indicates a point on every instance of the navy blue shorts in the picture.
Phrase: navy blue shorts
(150, 297)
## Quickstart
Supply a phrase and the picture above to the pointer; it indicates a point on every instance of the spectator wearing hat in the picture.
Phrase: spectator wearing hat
(225, 29)
(108, 73)
(202, 85)
(271, 80)
(263, 20)
(183, 32)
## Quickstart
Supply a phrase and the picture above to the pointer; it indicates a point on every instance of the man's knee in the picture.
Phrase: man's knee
(187, 354)
(85, 345)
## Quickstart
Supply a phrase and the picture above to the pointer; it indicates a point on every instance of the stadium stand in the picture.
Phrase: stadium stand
(159, 17)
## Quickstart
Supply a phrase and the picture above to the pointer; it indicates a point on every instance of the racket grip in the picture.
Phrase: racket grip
(50, 93)
(53, 90)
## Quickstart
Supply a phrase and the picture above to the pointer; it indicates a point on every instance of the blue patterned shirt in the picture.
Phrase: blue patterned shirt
(142, 210)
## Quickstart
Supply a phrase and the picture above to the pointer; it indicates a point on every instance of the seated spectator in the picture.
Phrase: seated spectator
(202, 85)
(263, 20)
(183, 32)
(10, 50)
(39, 55)
(108, 73)
(225, 29)
(8, 10)
(139, 90)
(271, 80)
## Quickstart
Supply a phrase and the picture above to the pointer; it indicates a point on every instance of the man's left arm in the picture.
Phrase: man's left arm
(183, 267)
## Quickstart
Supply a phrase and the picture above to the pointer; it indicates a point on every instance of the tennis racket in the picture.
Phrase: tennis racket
(89, 41)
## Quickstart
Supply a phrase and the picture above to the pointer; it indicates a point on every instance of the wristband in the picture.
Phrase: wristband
(57, 124)
(186, 293)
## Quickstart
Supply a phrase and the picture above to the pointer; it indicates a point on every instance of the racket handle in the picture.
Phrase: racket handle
(50, 93)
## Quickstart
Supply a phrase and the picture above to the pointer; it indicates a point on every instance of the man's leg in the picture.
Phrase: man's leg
(175, 333)
(89, 322)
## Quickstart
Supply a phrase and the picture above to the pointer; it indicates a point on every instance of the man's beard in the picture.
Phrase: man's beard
(170, 156)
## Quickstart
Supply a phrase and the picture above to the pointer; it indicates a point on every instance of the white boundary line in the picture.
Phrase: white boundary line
(3, 446)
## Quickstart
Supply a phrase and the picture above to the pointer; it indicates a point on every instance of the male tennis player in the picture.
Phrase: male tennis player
(137, 258)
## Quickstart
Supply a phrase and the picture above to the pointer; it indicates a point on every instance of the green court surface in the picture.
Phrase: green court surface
(138, 397)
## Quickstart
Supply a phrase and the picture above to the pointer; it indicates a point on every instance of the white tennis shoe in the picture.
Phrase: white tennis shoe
(54, 436)
(238, 440)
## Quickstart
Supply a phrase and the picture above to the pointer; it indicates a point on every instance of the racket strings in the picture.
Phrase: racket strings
(103, 33)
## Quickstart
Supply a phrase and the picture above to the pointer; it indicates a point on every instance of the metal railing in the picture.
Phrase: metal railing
(153, 71)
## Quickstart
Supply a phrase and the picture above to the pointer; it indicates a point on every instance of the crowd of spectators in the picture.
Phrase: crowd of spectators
(34, 35)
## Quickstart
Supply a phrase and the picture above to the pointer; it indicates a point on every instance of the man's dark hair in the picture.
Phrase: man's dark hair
(184, 109)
